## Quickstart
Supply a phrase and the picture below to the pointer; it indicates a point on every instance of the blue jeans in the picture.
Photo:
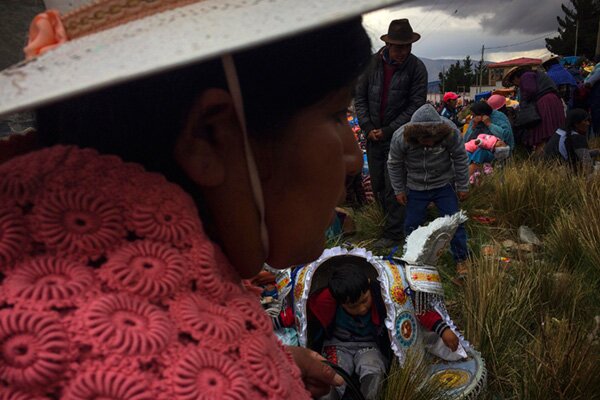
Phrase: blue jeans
(446, 201)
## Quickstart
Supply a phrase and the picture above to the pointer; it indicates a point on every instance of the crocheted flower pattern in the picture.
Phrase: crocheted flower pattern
(7, 393)
(127, 325)
(264, 362)
(210, 324)
(254, 316)
(47, 281)
(13, 235)
(76, 222)
(18, 185)
(145, 268)
(34, 348)
(165, 222)
(212, 276)
(103, 383)
(110, 289)
(206, 374)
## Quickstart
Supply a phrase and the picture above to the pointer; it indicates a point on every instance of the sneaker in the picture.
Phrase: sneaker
(385, 243)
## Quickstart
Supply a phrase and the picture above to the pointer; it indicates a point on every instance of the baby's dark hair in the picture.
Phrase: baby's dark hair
(348, 282)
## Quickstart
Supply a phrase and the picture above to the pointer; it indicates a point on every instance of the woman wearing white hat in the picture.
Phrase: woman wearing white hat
(164, 179)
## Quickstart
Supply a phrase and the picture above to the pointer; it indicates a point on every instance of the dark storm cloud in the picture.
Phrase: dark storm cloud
(522, 16)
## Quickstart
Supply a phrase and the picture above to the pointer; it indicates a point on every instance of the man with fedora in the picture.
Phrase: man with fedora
(392, 88)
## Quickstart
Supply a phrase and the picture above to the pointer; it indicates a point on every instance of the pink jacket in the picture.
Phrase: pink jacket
(486, 142)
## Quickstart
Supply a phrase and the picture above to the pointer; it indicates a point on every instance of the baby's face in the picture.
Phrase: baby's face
(360, 307)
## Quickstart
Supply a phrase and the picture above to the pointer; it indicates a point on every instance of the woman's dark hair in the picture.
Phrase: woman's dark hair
(140, 120)
(520, 71)
(550, 62)
(507, 81)
(348, 282)
(481, 108)
(574, 117)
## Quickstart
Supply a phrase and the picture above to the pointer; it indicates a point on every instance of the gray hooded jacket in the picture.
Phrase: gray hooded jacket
(417, 167)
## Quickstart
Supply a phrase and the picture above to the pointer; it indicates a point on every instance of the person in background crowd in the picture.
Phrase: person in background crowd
(500, 125)
(570, 144)
(564, 81)
(592, 82)
(541, 111)
(487, 122)
(428, 163)
(450, 109)
(388, 93)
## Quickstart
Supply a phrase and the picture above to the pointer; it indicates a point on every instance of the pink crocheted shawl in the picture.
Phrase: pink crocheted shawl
(109, 288)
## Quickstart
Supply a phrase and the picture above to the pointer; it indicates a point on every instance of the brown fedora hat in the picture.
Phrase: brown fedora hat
(400, 32)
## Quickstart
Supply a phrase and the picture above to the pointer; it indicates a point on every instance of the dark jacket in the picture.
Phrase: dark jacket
(407, 92)
(414, 166)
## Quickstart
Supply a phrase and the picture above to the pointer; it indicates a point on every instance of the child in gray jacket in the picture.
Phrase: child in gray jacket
(428, 163)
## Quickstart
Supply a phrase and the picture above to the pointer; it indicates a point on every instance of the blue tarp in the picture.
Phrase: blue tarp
(482, 95)
(571, 60)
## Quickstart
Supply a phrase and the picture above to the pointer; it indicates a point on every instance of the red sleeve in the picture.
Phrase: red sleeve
(429, 319)
(287, 317)
(323, 306)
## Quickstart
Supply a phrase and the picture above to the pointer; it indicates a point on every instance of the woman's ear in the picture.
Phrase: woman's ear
(211, 152)
(199, 149)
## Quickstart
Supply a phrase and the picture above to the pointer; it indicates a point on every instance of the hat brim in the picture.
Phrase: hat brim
(386, 38)
(164, 41)
(507, 80)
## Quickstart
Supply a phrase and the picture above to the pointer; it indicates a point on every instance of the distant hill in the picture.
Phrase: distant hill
(434, 67)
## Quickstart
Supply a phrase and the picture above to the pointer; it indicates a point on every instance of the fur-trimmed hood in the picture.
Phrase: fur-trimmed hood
(427, 123)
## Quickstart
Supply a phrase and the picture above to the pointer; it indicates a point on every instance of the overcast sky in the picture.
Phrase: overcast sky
(456, 28)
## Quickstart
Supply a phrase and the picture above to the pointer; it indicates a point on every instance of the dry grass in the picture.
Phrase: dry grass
(407, 382)
(560, 363)
(497, 315)
(575, 235)
(532, 193)
(369, 222)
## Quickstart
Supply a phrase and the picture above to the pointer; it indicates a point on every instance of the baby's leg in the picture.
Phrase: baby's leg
(342, 356)
(370, 368)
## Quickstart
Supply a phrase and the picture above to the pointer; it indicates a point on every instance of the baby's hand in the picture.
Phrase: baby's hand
(450, 339)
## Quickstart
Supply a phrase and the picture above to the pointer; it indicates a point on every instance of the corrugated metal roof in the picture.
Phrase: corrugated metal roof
(516, 62)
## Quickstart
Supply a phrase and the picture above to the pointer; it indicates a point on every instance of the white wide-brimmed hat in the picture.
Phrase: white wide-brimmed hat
(549, 57)
(113, 41)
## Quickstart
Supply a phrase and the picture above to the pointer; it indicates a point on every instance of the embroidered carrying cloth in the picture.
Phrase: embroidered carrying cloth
(109, 288)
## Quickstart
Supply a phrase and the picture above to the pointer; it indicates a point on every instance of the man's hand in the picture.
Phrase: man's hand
(450, 339)
(463, 195)
(318, 377)
(486, 120)
(401, 198)
(375, 135)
